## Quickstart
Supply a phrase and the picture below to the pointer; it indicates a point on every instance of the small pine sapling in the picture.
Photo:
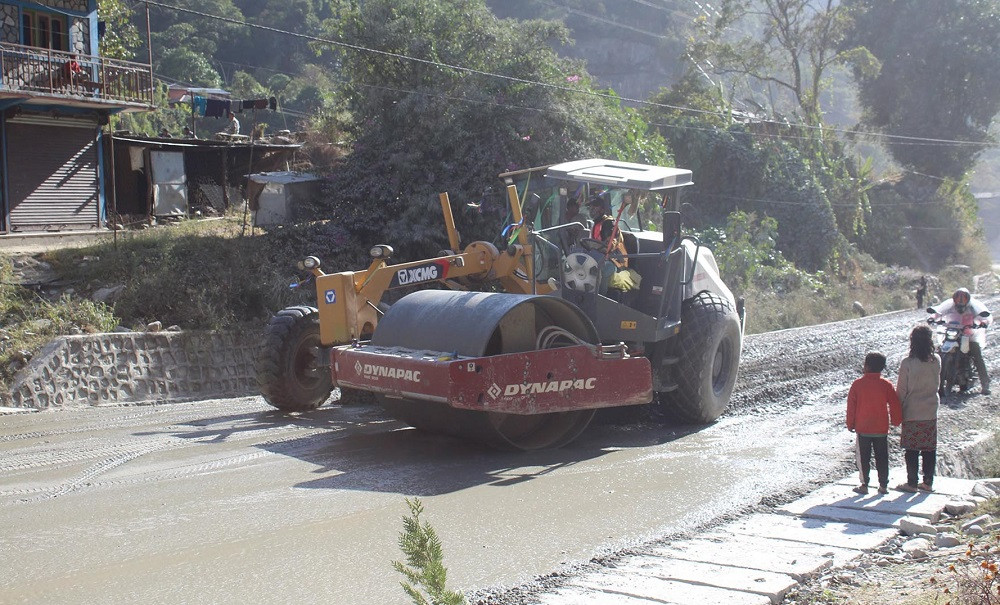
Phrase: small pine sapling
(424, 570)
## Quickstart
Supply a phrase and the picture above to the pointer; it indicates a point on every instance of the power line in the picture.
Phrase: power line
(754, 200)
(615, 97)
(592, 17)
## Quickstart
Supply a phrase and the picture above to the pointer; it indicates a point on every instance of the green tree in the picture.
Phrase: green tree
(734, 169)
(925, 222)
(938, 78)
(184, 36)
(150, 123)
(121, 37)
(790, 45)
(422, 127)
(244, 86)
(184, 65)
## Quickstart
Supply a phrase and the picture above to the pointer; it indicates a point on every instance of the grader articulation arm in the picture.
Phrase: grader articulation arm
(348, 301)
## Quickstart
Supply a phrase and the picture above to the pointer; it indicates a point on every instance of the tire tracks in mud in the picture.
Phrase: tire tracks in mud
(114, 443)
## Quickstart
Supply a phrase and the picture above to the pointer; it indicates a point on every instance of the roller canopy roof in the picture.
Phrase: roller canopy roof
(621, 174)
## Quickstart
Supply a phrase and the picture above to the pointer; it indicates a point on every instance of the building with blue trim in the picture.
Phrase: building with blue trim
(56, 93)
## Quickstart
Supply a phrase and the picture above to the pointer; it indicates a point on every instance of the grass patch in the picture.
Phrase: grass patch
(203, 275)
(834, 300)
(29, 320)
(991, 458)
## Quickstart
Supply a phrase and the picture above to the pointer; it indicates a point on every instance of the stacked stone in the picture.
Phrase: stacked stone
(137, 367)
(8, 24)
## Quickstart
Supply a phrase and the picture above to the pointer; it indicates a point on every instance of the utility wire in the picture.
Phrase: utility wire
(517, 80)
(599, 19)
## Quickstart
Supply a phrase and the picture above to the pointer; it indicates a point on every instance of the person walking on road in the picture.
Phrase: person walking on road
(872, 405)
(917, 387)
(921, 292)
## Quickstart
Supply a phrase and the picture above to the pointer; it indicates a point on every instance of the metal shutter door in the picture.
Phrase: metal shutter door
(52, 176)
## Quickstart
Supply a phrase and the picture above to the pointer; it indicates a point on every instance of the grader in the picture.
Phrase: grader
(525, 368)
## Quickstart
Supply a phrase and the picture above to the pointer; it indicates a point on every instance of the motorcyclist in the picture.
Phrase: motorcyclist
(964, 310)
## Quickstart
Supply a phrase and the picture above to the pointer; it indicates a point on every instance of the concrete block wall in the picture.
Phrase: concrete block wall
(136, 367)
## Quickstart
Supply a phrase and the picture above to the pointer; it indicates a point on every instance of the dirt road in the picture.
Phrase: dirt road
(226, 501)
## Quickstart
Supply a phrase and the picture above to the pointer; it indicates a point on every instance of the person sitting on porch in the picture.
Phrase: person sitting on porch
(234, 124)
(71, 70)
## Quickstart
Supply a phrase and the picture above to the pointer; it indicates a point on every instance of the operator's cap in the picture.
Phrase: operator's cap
(597, 199)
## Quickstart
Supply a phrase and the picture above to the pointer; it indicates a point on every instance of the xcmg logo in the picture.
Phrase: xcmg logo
(536, 388)
(419, 274)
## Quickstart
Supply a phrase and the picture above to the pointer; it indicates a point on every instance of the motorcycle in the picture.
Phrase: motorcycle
(952, 341)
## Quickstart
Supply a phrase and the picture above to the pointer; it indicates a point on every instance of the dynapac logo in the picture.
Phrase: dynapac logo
(420, 273)
(370, 371)
(535, 388)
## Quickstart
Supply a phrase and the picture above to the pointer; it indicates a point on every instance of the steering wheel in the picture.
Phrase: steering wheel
(581, 272)
(593, 245)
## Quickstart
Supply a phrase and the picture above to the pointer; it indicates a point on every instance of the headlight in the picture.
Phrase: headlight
(380, 251)
(310, 263)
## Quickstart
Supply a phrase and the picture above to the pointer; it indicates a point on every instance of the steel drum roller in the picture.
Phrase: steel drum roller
(482, 324)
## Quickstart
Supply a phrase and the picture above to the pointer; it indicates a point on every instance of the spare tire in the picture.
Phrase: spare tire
(708, 355)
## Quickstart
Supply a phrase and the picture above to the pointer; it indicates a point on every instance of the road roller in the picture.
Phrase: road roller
(517, 343)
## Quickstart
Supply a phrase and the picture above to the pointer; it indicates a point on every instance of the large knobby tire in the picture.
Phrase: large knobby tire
(287, 371)
(708, 352)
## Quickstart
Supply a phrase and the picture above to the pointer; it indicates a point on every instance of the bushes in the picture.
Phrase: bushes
(778, 295)
(926, 223)
(748, 256)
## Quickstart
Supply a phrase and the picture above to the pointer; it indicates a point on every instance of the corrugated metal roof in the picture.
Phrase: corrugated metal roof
(283, 178)
(194, 143)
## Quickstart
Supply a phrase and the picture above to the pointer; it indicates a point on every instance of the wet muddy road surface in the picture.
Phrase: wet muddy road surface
(228, 501)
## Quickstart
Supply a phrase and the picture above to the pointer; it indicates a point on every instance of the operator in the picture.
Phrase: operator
(622, 281)
(605, 230)
(965, 310)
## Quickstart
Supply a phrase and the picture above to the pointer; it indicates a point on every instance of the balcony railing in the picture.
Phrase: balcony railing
(51, 72)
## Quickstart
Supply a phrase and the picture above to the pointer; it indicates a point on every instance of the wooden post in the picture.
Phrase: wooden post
(149, 56)
(225, 177)
(114, 183)
(246, 207)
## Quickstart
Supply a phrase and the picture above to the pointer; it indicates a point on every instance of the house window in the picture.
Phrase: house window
(43, 30)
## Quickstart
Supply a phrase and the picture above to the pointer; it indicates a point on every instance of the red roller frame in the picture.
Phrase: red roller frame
(533, 382)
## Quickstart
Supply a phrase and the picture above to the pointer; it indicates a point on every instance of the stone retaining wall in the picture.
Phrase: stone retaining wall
(136, 367)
